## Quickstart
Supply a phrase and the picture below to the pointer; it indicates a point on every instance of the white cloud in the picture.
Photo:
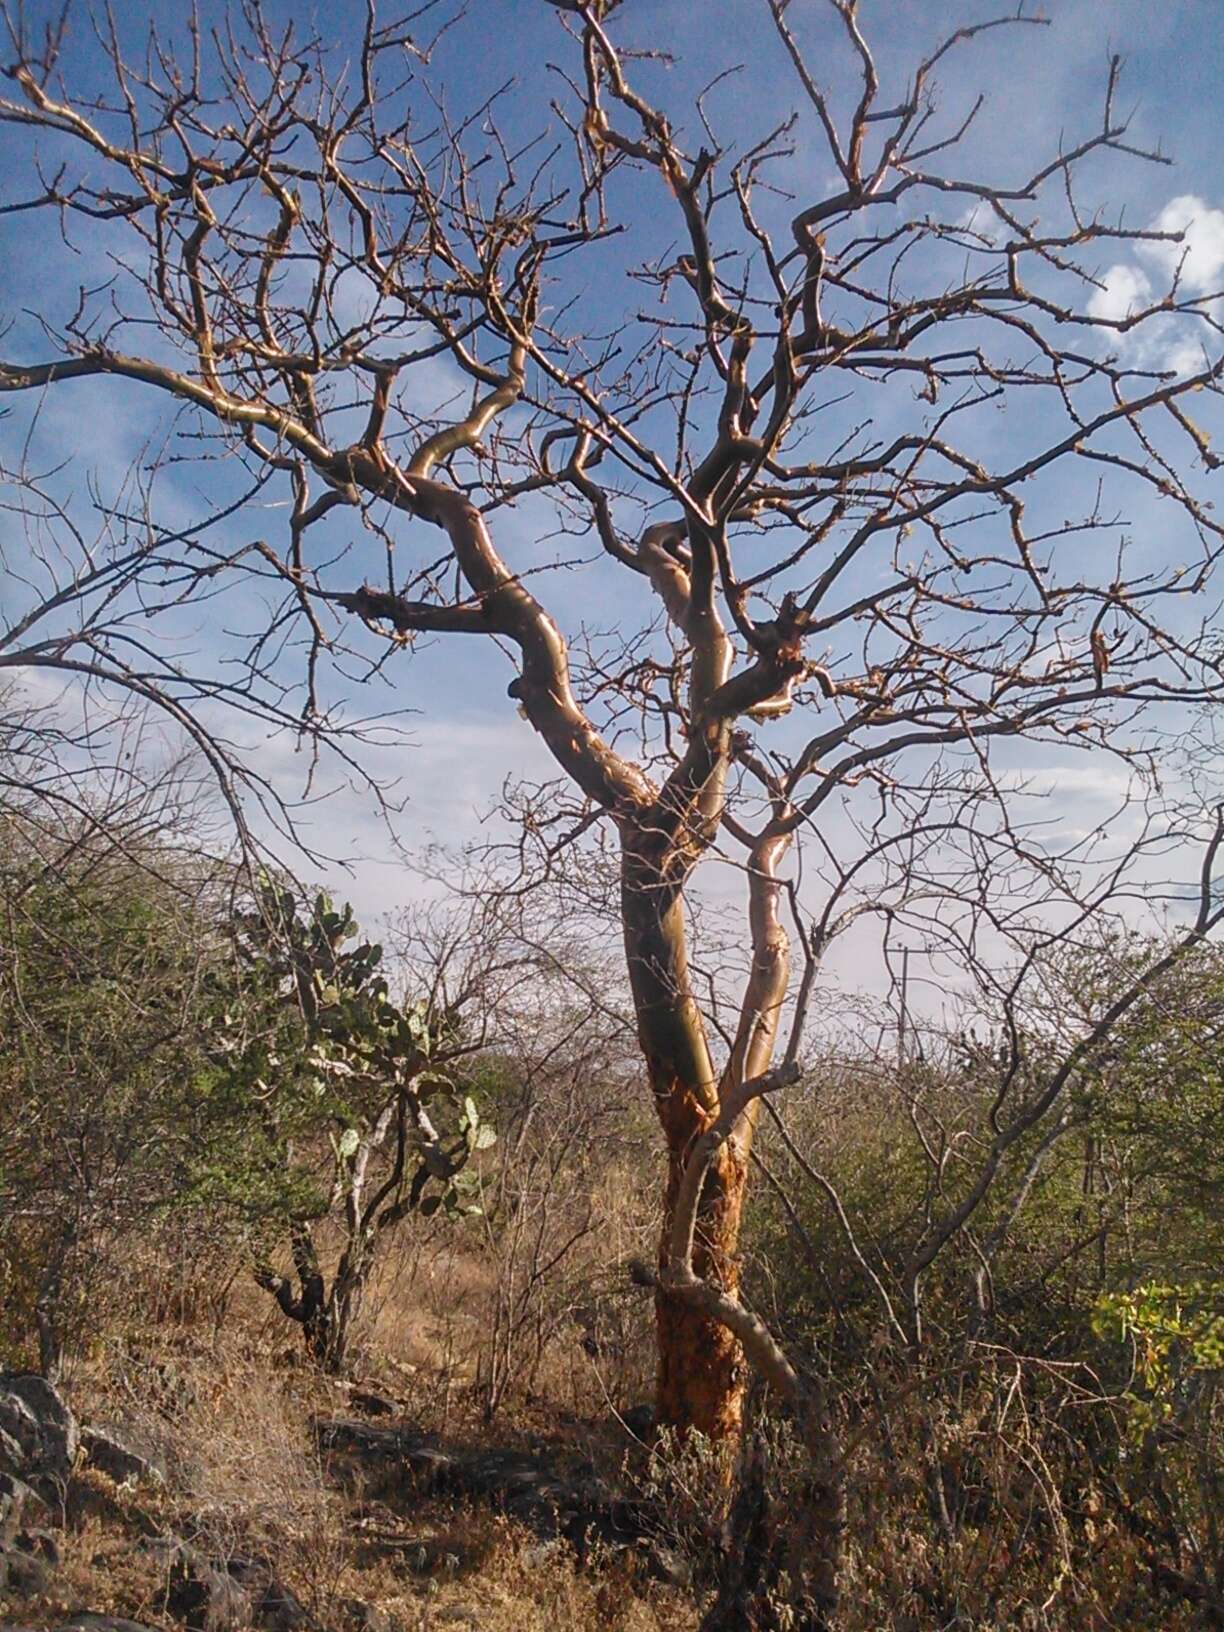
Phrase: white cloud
(1125, 290)
(1167, 341)
(1200, 254)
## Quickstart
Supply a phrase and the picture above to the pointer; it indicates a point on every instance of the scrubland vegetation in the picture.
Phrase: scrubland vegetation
(770, 1182)
(1044, 1450)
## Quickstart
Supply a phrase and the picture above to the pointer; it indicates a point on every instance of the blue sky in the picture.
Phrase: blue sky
(1042, 82)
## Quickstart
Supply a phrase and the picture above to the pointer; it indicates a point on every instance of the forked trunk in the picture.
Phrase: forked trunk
(702, 1375)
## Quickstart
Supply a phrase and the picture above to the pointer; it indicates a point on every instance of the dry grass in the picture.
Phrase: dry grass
(228, 1410)
(506, 1580)
(426, 1315)
(230, 1419)
(106, 1563)
(202, 1373)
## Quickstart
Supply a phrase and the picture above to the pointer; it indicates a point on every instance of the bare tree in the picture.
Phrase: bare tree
(80, 665)
(782, 437)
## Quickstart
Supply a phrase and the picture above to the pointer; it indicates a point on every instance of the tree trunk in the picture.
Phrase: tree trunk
(782, 1559)
(343, 1307)
(313, 1311)
(702, 1375)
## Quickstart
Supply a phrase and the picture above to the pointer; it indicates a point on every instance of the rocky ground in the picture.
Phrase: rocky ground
(107, 1526)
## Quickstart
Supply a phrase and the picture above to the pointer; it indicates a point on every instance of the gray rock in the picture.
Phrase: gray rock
(18, 1506)
(351, 1434)
(18, 1430)
(27, 1554)
(40, 1543)
(446, 1555)
(107, 1450)
(664, 1564)
(363, 1616)
(204, 1597)
(35, 1420)
(374, 1405)
(276, 1607)
(540, 1489)
(217, 1595)
(647, 1560)
(22, 1575)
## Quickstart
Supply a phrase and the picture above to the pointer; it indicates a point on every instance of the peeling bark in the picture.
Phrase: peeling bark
(702, 1375)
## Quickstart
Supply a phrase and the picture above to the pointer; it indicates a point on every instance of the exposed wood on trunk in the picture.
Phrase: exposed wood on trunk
(799, 1587)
